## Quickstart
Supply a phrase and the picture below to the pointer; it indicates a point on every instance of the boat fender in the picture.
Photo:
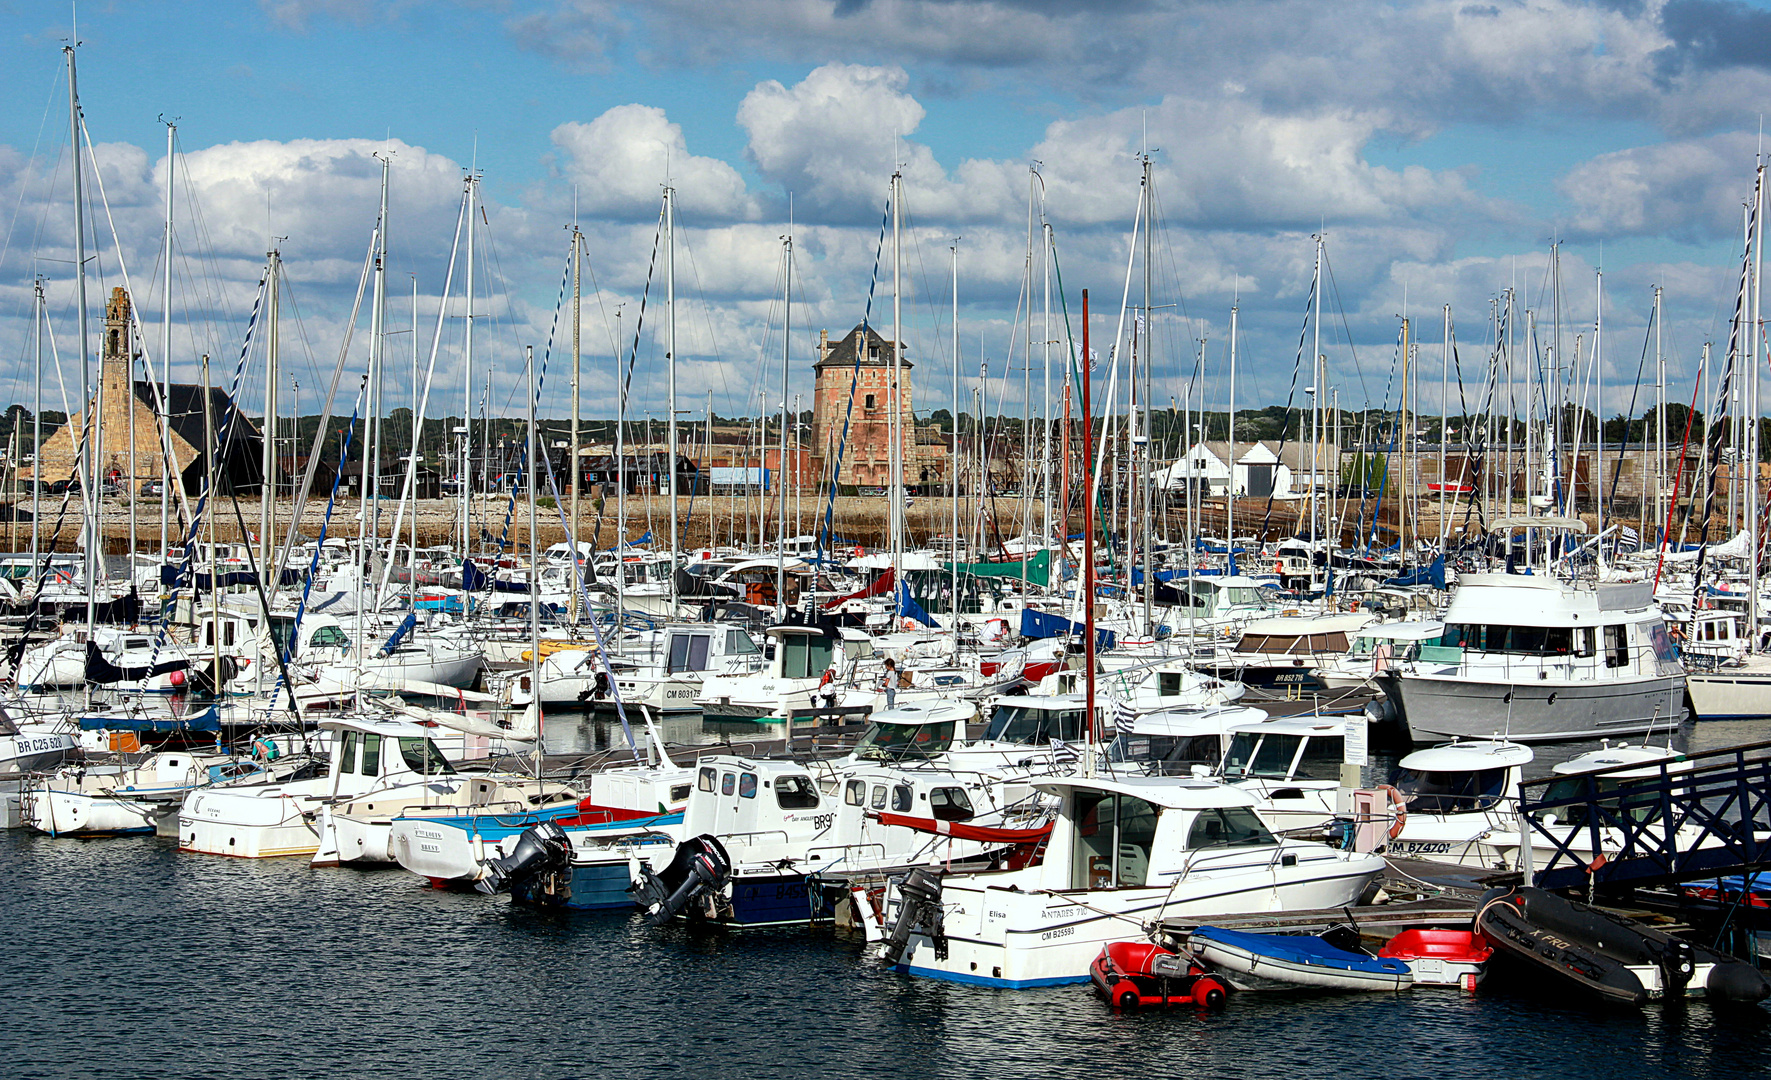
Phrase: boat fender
(1209, 992)
(1399, 802)
(919, 907)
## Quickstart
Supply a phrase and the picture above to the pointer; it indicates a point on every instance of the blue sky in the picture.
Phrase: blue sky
(1440, 145)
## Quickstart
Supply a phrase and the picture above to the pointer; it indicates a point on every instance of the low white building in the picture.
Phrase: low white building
(1258, 473)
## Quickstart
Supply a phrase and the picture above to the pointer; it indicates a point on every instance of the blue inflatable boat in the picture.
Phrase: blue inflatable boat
(1332, 961)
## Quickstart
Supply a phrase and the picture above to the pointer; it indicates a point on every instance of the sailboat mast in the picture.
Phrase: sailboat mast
(953, 462)
(670, 360)
(94, 538)
(572, 459)
(1230, 491)
(467, 375)
(267, 515)
(1315, 361)
(1088, 549)
(39, 313)
(1143, 493)
(1444, 387)
(377, 362)
(1752, 393)
(781, 458)
(1045, 410)
(534, 565)
(895, 473)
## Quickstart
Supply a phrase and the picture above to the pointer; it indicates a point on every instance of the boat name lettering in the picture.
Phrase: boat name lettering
(999, 914)
(427, 834)
(822, 821)
(1062, 912)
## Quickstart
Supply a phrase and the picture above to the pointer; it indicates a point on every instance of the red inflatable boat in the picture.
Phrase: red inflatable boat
(1137, 974)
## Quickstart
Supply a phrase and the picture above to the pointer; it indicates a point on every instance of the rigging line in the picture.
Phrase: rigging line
(827, 533)
(1365, 462)
(214, 453)
(313, 569)
(1490, 390)
(1629, 414)
(55, 84)
(1716, 430)
(639, 325)
(1291, 394)
(1335, 289)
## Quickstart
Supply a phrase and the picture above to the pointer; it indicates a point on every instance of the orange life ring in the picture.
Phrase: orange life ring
(1400, 803)
(828, 678)
(1279, 566)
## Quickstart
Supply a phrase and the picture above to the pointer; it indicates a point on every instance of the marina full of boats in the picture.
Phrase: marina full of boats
(1138, 745)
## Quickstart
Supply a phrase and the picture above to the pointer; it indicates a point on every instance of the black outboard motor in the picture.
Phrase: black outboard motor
(698, 869)
(542, 849)
(919, 908)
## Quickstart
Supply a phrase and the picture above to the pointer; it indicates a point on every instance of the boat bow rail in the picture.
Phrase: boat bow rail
(1706, 814)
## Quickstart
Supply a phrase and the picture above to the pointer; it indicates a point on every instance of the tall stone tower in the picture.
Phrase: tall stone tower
(866, 453)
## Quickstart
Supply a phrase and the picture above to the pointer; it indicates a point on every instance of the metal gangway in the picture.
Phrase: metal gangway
(1692, 817)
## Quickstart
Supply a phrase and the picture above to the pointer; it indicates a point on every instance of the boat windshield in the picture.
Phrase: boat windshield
(1034, 725)
(1228, 826)
(885, 741)
(422, 756)
(1639, 806)
(1260, 754)
(1450, 792)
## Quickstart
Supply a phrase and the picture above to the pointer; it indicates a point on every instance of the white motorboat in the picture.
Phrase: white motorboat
(803, 654)
(279, 818)
(1123, 853)
(1539, 659)
(1292, 767)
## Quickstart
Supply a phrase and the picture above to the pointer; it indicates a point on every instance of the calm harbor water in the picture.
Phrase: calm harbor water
(127, 959)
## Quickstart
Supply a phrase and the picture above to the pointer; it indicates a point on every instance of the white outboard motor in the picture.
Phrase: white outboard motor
(919, 908)
(699, 869)
(542, 849)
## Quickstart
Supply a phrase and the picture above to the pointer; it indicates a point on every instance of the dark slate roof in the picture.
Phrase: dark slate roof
(842, 351)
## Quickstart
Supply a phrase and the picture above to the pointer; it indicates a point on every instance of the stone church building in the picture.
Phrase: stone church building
(866, 453)
(128, 405)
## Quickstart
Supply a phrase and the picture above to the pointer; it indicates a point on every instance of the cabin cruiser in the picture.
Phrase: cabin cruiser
(1534, 659)
(665, 674)
(1180, 742)
(1292, 767)
(1458, 803)
(796, 672)
(1376, 649)
(276, 818)
(1284, 652)
(777, 828)
(1123, 852)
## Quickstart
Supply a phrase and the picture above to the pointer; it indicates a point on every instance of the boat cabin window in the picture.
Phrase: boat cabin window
(1518, 640)
(1228, 826)
(950, 804)
(1168, 683)
(347, 753)
(1261, 754)
(879, 796)
(422, 756)
(795, 793)
(1114, 834)
(1035, 726)
(371, 755)
(738, 643)
(328, 637)
(1322, 758)
(804, 656)
(1172, 754)
(884, 741)
(903, 799)
(1640, 806)
(728, 783)
(1450, 792)
(1617, 652)
(747, 785)
(688, 652)
(855, 793)
(705, 782)
(678, 792)
(1664, 650)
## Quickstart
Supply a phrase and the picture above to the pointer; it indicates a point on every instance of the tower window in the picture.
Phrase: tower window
(113, 343)
(873, 352)
(871, 402)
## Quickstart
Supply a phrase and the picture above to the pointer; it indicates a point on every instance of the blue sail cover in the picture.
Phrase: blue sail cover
(400, 634)
(910, 609)
(1432, 574)
(1042, 624)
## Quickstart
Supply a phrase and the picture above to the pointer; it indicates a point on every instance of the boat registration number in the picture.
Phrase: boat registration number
(1422, 847)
